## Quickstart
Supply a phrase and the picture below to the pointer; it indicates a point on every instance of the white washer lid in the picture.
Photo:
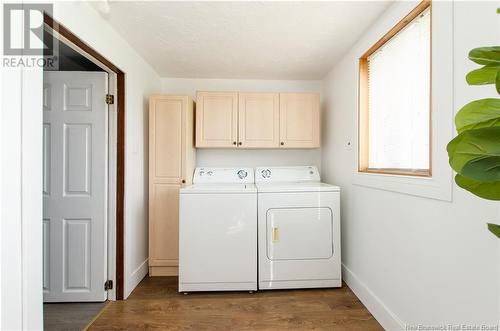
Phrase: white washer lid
(296, 187)
(218, 188)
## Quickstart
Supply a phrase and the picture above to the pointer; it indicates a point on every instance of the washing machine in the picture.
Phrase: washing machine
(218, 231)
(298, 229)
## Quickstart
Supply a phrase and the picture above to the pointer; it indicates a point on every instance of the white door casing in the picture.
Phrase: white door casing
(74, 186)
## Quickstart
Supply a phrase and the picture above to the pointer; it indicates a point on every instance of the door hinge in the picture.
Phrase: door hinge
(108, 285)
(110, 99)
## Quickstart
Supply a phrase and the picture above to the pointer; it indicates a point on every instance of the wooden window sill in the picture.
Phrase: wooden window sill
(401, 172)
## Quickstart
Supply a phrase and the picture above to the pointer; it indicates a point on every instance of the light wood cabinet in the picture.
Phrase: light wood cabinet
(164, 230)
(171, 165)
(257, 120)
(217, 119)
(299, 120)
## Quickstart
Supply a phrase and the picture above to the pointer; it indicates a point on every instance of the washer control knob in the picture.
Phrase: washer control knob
(266, 173)
(242, 174)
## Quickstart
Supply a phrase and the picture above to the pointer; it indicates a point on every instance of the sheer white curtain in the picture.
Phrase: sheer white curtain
(399, 99)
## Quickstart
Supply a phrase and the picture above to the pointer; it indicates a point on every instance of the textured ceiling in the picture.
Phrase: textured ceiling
(253, 40)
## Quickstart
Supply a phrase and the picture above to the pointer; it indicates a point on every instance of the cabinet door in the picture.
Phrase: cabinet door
(217, 119)
(164, 229)
(299, 120)
(171, 160)
(258, 124)
(166, 139)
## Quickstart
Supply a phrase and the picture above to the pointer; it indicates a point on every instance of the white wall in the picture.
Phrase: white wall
(21, 204)
(415, 260)
(249, 158)
(21, 200)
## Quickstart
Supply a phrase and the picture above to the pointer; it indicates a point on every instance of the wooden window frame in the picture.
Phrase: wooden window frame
(363, 113)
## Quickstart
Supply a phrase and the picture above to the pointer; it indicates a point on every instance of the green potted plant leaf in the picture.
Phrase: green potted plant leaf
(475, 152)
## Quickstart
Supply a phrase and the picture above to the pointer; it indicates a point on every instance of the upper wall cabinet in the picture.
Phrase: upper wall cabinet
(299, 120)
(217, 119)
(257, 120)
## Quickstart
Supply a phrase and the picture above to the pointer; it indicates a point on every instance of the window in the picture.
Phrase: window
(394, 99)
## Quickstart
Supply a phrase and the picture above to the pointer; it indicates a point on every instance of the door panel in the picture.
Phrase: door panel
(299, 233)
(216, 119)
(77, 159)
(76, 241)
(74, 186)
(299, 120)
(47, 96)
(46, 254)
(258, 120)
(164, 225)
(46, 166)
(166, 138)
(77, 97)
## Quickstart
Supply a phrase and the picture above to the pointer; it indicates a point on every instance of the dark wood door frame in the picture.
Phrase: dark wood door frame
(120, 139)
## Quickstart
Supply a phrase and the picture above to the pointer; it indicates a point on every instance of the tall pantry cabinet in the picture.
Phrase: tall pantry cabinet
(171, 165)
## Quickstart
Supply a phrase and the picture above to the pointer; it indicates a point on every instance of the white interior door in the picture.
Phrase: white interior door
(74, 186)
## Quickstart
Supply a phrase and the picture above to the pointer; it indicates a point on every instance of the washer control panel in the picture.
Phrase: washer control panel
(223, 175)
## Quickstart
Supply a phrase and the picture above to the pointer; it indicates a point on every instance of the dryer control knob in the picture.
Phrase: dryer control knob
(266, 173)
(242, 174)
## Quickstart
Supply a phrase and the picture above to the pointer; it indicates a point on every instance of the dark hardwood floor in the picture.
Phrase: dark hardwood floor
(156, 304)
(69, 316)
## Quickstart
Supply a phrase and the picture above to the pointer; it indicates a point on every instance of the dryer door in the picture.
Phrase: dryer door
(299, 233)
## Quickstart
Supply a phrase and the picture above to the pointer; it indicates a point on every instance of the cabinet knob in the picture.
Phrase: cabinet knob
(183, 181)
(282, 143)
(240, 143)
(234, 142)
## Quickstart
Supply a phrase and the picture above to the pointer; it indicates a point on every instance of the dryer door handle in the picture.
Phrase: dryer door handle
(275, 234)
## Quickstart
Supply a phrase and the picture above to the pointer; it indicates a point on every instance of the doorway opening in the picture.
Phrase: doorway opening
(83, 180)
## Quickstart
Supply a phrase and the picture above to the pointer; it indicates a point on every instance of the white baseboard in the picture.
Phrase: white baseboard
(135, 278)
(379, 310)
